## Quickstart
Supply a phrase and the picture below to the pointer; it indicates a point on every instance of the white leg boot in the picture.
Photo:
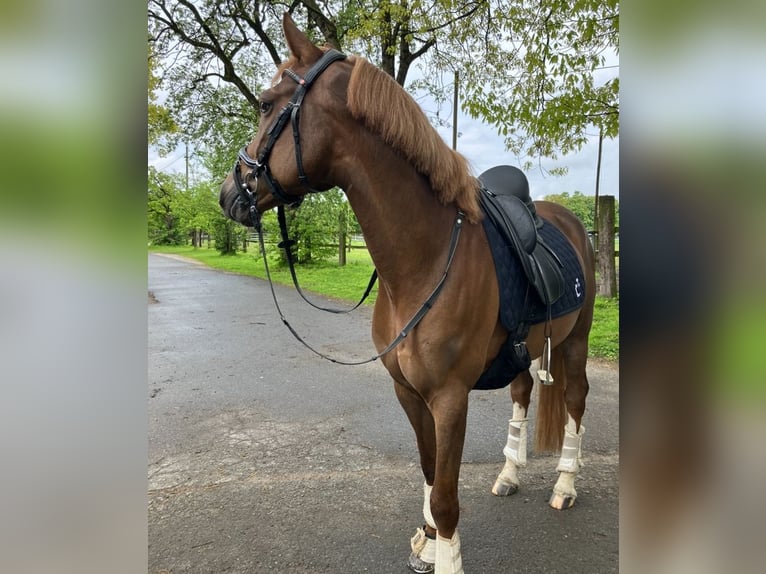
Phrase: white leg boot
(448, 557)
(564, 493)
(515, 452)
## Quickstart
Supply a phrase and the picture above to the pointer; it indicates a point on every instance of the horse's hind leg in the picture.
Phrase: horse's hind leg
(515, 450)
(573, 359)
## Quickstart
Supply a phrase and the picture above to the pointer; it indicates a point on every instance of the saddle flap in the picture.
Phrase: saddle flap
(549, 280)
(519, 219)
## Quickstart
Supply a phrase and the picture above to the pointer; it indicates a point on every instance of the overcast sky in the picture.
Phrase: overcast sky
(483, 148)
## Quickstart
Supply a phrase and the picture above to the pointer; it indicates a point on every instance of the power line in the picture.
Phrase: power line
(164, 167)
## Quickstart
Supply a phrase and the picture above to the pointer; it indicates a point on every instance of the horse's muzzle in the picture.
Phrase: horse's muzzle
(233, 205)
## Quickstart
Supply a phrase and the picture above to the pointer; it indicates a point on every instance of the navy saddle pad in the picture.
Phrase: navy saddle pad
(521, 306)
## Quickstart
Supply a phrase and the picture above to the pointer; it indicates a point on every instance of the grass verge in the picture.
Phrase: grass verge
(604, 341)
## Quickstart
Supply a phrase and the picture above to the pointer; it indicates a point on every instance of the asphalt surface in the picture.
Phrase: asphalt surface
(265, 458)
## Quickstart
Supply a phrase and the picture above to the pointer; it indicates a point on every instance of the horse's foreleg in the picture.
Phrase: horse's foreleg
(423, 544)
(564, 493)
(449, 410)
(515, 450)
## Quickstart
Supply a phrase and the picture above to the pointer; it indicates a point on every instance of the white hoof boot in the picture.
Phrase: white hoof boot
(423, 556)
(448, 557)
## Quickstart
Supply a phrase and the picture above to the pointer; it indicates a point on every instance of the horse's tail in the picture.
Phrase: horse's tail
(551, 408)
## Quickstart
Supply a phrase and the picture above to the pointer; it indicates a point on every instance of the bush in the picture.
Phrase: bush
(228, 235)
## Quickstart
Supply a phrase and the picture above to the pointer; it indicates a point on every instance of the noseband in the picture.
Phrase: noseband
(260, 167)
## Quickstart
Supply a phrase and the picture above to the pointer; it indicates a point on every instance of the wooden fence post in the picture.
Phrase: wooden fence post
(342, 232)
(606, 265)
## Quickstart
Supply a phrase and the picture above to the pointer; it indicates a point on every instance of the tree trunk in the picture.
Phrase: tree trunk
(606, 265)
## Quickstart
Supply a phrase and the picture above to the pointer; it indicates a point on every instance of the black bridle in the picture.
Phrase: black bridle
(260, 166)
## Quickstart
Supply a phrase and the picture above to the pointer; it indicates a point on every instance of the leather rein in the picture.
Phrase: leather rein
(260, 168)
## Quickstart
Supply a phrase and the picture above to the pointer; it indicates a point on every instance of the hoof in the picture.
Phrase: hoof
(420, 566)
(503, 488)
(561, 501)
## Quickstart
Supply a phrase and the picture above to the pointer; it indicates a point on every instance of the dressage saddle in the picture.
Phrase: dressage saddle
(505, 200)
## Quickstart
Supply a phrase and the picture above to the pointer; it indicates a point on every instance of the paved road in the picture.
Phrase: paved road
(264, 458)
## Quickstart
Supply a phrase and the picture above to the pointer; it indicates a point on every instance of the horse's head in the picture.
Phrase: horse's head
(290, 155)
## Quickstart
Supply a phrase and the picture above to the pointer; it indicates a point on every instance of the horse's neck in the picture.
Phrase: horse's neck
(406, 229)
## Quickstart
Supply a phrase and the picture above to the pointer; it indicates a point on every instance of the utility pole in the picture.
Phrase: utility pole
(598, 178)
(195, 240)
(454, 112)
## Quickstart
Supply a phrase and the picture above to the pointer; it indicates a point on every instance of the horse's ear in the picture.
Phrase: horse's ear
(299, 44)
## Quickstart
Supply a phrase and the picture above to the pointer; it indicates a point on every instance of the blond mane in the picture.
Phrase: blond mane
(385, 108)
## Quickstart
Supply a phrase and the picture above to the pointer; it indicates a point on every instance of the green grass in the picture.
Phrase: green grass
(348, 283)
(604, 339)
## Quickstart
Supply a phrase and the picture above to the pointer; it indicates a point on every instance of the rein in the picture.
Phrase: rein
(287, 245)
(411, 324)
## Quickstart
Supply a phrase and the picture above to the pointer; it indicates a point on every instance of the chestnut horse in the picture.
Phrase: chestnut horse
(357, 129)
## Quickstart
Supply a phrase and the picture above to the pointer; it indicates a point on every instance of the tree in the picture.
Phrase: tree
(543, 79)
(159, 119)
(176, 214)
(196, 210)
(314, 226)
(227, 234)
(164, 227)
(534, 70)
(583, 206)
(606, 246)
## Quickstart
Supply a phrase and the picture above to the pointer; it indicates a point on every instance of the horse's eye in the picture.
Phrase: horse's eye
(265, 107)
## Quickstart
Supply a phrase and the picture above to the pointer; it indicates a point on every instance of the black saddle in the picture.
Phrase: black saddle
(506, 202)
